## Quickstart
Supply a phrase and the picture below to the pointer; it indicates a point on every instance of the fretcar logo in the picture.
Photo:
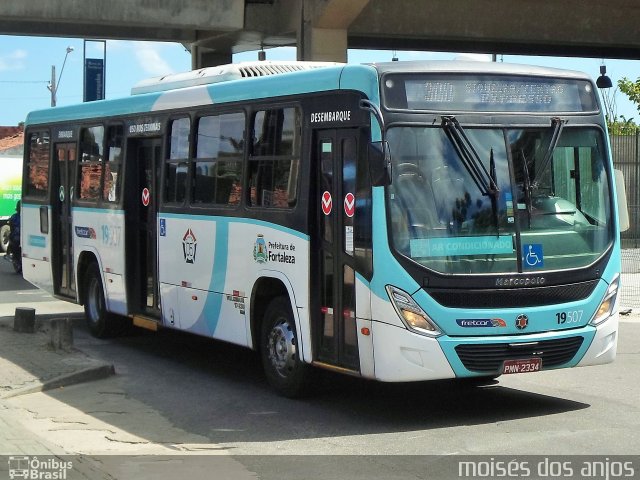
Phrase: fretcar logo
(481, 322)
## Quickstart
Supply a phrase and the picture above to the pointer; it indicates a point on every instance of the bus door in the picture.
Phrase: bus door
(144, 160)
(62, 256)
(335, 330)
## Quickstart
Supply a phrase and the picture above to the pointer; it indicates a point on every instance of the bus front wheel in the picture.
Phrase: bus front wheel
(100, 322)
(279, 349)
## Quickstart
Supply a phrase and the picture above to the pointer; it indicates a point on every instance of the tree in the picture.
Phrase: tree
(631, 90)
(622, 125)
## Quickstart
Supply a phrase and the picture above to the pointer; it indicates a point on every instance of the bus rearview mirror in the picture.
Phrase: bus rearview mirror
(379, 164)
(621, 194)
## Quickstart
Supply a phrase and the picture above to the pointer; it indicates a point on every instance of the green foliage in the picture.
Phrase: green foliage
(631, 90)
(621, 126)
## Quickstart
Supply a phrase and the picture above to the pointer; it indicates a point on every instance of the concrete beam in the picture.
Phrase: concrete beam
(337, 14)
(174, 20)
(572, 27)
(203, 57)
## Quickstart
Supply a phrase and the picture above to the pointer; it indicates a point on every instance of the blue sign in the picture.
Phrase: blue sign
(532, 256)
(93, 79)
(163, 227)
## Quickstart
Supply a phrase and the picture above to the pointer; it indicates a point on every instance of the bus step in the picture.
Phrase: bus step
(145, 322)
(335, 368)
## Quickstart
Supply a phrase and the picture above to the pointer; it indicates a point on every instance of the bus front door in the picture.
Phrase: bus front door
(62, 239)
(144, 157)
(335, 329)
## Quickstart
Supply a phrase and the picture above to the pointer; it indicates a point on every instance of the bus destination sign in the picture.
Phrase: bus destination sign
(489, 93)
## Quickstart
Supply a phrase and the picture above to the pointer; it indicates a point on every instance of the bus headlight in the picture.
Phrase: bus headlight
(607, 304)
(411, 314)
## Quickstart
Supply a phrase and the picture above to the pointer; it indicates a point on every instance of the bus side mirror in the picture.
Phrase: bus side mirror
(379, 164)
(621, 195)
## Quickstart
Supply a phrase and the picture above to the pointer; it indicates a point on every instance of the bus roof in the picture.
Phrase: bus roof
(319, 79)
(225, 84)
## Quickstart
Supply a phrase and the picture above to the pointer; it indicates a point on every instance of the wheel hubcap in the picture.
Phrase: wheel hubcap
(282, 348)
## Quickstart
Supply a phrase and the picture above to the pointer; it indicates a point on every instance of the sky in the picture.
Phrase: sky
(25, 68)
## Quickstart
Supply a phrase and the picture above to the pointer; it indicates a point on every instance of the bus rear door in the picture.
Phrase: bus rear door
(64, 166)
(144, 160)
(335, 329)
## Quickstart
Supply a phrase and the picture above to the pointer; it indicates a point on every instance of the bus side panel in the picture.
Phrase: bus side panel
(363, 319)
(260, 249)
(36, 246)
(208, 267)
(100, 233)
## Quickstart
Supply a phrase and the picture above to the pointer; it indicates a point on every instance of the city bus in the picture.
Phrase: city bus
(397, 221)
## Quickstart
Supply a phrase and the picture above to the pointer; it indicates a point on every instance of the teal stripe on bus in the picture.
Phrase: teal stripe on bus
(213, 305)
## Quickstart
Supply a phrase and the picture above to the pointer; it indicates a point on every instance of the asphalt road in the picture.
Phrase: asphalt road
(217, 393)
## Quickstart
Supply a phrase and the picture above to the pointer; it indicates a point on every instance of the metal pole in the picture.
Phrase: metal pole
(52, 87)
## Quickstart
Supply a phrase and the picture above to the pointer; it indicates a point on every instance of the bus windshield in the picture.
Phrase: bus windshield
(551, 210)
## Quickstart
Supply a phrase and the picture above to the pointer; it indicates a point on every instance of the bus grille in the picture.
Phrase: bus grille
(514, 297)
(489, 357)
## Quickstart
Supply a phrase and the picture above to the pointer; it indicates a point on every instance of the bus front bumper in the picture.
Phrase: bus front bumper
(401, 355)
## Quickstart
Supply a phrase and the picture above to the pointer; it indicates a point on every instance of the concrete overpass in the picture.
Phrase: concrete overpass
(324, 29)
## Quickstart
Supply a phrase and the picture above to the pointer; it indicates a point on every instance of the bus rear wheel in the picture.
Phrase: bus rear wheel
(286, 372)
(5, 232)
(100, 322)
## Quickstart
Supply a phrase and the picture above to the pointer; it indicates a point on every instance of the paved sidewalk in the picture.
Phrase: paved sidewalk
(29, 364)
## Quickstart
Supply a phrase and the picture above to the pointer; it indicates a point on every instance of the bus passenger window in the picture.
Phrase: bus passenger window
(275, 157)
(38, 166)
(112, 179)
(176, 167)
(91, 161)
(218, 166)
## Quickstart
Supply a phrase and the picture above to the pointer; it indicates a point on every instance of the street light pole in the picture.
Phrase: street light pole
(53, 86)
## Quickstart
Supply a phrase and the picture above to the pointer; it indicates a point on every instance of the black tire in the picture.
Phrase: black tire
(17, 264)
(101, 323)
(286, 372)
(5, 232)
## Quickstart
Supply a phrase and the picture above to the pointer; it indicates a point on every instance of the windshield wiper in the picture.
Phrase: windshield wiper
(486, 181)
(557, 124)
(526, 186)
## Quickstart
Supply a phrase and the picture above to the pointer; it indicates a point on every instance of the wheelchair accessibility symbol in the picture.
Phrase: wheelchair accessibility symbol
(532, 255)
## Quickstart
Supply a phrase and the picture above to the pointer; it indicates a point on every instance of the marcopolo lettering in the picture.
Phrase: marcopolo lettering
(520, 282)
(335, 116)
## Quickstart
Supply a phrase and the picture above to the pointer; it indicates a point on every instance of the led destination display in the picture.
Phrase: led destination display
(488, 93)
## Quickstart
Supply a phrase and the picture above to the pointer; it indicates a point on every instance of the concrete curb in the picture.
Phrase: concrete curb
(87, 375)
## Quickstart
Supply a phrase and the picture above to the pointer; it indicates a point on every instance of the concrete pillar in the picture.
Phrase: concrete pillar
(24, 320)
(204, 57)
(61, 334)
(323, 45)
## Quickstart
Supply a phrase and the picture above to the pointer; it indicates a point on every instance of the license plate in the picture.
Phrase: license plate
(526, 365)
